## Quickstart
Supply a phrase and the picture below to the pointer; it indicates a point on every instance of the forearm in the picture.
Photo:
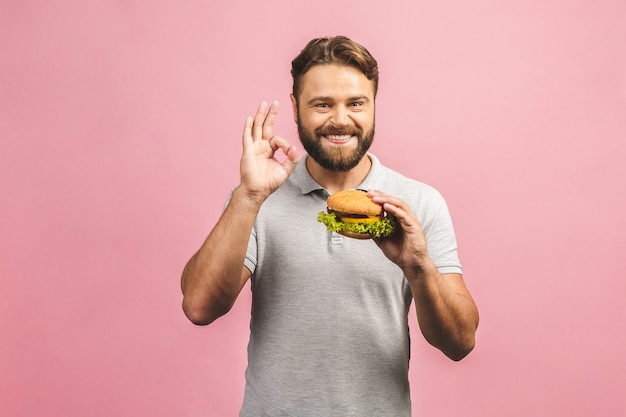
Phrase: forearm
(446, 312)
(212, 279)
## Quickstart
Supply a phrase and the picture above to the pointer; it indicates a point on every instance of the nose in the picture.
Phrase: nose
(340, 116)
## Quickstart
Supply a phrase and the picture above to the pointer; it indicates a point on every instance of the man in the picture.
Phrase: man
(329, 325)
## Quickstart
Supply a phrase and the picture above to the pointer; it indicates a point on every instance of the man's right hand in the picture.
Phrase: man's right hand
(261, 173)
(215, 274)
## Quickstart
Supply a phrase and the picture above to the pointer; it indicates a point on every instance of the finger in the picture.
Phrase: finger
(375, 194)
(397, 207)
(396, 211)
(247, 132)
(382, 198)
(290, 163)
(278, 142)
(405, 217)
(259, 118)
(290, 151)
(270, 118)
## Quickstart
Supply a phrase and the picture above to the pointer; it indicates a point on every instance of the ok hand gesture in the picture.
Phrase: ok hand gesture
(261, 173)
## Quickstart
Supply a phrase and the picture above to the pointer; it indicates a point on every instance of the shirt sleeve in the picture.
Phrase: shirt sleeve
(441, 240)
(251, 252)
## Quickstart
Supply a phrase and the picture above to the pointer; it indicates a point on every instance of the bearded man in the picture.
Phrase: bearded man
(329, 329)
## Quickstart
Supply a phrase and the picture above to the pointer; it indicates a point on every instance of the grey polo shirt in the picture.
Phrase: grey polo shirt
(329, 326)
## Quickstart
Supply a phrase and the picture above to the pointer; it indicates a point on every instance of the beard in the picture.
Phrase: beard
(336, 158)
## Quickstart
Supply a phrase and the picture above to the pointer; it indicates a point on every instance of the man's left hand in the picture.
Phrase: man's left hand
(407, 246)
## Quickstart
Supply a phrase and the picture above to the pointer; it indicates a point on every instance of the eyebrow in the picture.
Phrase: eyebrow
(328, 98)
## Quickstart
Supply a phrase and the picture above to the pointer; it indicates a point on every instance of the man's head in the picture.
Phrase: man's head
(337, 50)
(334, 91)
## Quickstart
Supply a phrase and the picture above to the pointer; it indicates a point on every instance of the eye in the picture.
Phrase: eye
(356, 104)
(322, 105)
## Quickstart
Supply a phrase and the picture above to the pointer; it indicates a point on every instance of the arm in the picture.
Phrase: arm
(215, 275)
(446, 312)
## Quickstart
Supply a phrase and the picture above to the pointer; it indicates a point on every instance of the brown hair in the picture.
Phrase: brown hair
(333, 50)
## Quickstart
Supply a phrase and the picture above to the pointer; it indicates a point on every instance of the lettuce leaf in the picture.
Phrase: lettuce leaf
(379, 228)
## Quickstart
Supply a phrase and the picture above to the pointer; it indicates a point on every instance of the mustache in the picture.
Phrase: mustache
(331, 130)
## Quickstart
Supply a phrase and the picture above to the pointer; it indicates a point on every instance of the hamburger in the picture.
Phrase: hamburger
(352, 213)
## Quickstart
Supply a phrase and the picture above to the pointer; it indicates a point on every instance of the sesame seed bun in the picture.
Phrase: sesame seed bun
(355, 202)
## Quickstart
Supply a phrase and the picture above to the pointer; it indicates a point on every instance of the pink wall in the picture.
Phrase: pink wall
(120, 132)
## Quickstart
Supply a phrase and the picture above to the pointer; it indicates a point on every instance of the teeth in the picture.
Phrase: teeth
(339, 137)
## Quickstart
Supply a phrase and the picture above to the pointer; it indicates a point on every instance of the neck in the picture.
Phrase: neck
(335, 181)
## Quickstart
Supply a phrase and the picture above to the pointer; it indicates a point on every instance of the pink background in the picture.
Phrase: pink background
(120, 126)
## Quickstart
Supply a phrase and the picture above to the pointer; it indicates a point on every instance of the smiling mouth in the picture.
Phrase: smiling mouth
(338, 139)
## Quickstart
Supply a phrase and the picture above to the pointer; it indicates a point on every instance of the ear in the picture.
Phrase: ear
(294, 107)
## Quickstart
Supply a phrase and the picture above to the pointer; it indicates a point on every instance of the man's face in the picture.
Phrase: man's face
(335, 115)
